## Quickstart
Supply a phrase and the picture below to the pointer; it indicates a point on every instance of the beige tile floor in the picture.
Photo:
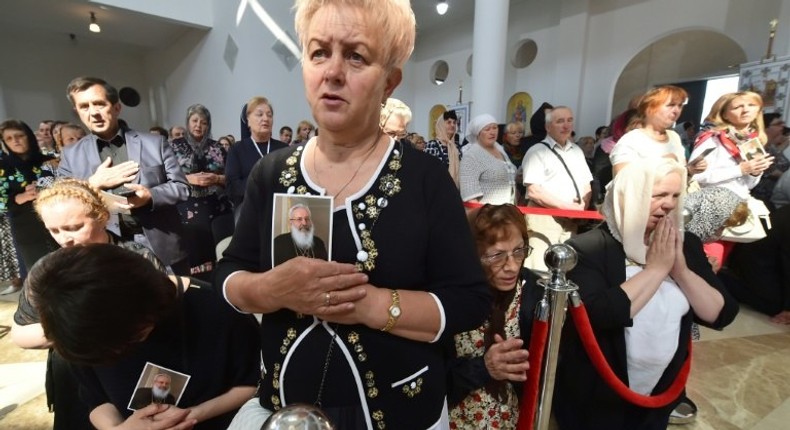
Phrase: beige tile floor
(23, 405)
(739, 377)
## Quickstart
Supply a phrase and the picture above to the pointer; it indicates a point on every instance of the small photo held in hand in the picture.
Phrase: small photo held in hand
(301, 227)
(159, 385)
(752, 148)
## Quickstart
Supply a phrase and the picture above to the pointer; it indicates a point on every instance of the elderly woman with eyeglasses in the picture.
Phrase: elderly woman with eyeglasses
(490, 361)
(395, 118)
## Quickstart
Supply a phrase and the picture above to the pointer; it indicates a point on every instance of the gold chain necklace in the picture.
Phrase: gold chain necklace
(362, 163)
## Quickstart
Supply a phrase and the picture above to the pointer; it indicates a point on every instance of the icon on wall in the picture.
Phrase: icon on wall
(518, 108)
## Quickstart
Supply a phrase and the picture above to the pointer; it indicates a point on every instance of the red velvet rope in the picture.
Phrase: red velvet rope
(529, 398)
(565, 213)
(582, 323)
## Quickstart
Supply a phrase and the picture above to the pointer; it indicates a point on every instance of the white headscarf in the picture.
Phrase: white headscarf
(626, 206)
(476, 125)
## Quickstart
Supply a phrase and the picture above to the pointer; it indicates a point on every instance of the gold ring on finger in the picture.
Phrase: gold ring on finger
(327, 299)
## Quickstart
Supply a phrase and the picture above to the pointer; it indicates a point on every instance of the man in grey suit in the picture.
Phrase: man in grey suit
(139, 166)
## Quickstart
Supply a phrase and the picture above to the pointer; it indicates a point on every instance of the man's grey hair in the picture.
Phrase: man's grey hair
(169, 378)
(298, 206)
(549, 113)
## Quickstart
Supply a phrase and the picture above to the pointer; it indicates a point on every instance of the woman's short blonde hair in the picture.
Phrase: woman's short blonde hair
(257, 101)
(393, 20)
(64, 189)
(722, 105)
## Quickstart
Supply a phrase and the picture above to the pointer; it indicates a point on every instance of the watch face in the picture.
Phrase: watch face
(395, 312)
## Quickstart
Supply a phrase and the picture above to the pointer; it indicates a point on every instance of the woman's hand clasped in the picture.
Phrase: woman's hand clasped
(158, 417)
(507, 360)
(661, 251)
(665, 252)
(30, 194)
(317, 287)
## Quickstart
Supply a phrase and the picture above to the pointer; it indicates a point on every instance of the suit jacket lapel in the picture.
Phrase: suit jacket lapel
(134, 149)
(94, 158)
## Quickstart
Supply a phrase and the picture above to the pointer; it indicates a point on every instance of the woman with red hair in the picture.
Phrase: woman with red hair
(652, 136)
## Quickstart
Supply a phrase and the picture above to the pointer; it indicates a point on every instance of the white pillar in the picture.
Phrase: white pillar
(489, 47)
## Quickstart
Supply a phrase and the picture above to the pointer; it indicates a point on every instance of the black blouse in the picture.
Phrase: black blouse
(410, 223)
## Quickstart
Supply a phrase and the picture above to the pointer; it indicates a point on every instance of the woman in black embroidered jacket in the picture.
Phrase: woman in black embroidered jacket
(358, 336)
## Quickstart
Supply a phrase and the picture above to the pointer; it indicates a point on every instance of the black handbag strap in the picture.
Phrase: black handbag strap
(575, 187)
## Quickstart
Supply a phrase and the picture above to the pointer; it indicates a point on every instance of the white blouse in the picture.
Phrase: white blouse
(652, 341)
(636, 145)
(723, 170)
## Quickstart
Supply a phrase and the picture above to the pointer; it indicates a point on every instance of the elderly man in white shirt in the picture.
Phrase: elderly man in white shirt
(556, 175)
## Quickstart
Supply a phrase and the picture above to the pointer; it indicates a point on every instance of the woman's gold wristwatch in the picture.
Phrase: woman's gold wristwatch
(393, 311)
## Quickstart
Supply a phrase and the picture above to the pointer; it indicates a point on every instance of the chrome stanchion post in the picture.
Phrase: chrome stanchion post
(559, 258)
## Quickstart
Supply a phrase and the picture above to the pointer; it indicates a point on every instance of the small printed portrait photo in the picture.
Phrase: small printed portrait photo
(301, 227)
(752, 148)
(158, 384)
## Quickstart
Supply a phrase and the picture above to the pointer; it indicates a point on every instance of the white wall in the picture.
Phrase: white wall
(584, 45)
(197, 13)
(193, 71)
(37, 68)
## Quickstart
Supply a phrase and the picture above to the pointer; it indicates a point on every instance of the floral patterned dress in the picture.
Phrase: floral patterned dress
(33, 241)
(204, 203)
(9, 267)
(481, 410)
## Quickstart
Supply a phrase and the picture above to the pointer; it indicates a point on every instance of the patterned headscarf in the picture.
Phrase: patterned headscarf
(453, 154)
(709, 208)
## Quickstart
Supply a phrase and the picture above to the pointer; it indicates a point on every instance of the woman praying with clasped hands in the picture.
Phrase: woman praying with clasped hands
(643, 283)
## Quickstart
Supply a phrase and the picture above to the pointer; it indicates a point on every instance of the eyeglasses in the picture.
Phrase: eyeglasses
(397, 135)
(500, 258)
(301, 219)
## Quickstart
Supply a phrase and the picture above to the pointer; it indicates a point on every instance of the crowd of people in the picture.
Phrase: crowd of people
(380, 298)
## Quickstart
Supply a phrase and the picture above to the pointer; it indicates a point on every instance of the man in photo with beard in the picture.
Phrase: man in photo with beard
(159, 393)
(300, 242)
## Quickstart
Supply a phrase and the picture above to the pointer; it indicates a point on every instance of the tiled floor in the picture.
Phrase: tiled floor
(23, 404)
(739, 377)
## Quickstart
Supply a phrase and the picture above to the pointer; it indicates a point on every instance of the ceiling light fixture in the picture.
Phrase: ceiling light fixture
(94, 27)
(441, 7)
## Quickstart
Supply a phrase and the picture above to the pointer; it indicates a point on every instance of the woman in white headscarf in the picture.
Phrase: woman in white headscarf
(643, 284)
(487, 175)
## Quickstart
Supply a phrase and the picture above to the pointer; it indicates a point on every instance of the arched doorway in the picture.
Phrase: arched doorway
(683, 56)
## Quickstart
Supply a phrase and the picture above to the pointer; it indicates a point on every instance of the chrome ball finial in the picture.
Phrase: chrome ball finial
(560, 258)
(687, 216)
(298, 417)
